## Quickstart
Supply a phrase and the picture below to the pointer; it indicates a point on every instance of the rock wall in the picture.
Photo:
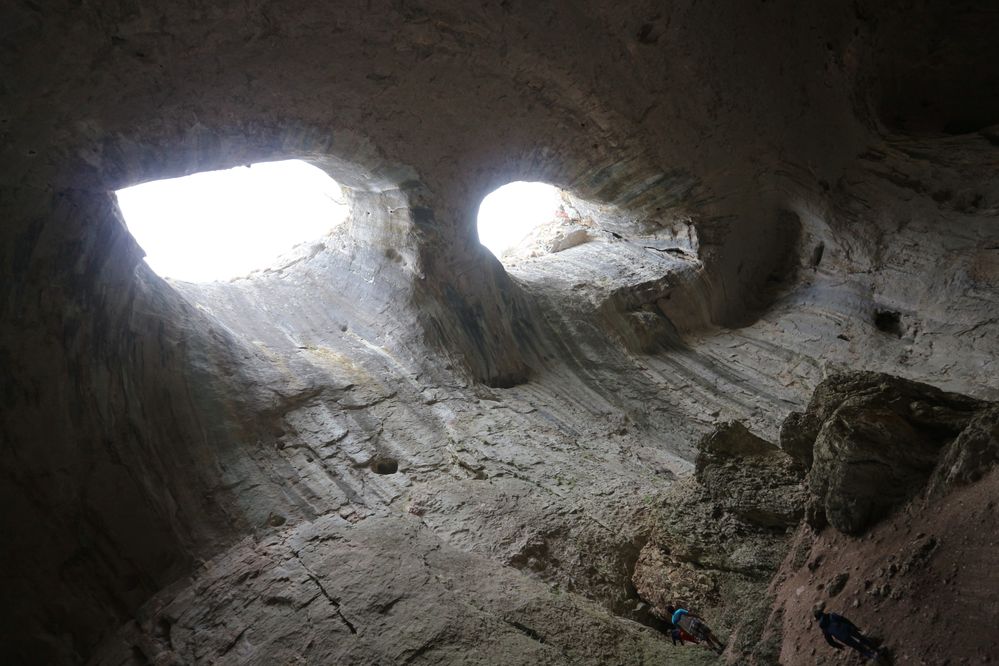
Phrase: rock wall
(767, 200)
(904, 476)
(718, 537)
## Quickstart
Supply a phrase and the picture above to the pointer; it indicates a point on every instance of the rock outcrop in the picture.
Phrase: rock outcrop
(750, 477)
(874, 440)
(730, 541)
(717, 538)
(905, 476)
(928, 562)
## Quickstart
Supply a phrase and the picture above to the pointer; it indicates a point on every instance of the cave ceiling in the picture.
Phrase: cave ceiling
(760, 195)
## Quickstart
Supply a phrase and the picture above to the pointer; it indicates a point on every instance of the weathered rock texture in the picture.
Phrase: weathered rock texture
(719, 537)
(873, 440)
(906, 541)
(930, 562)
(770, 192)
(305, 595)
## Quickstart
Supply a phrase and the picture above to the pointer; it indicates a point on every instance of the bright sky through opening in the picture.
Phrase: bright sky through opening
(219, 225)
(510, 213)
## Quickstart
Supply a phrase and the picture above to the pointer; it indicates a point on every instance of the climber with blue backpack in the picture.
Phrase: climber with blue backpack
(695, 626)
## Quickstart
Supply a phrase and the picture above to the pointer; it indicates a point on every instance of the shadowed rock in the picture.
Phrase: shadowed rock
(750, 477)
(876, 439)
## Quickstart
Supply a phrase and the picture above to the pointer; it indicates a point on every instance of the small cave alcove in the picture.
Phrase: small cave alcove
(384, 465)
(937, 71)
(888, 321)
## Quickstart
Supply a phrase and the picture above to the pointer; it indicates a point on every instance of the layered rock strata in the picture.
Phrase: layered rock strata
(771, 193)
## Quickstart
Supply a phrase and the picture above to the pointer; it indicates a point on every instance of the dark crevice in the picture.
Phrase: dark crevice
(335, 603)
(888, 321)
(527, 631)
(817, 253)
(506, 380)
(139, 656)
(350, 625)
(384, 465)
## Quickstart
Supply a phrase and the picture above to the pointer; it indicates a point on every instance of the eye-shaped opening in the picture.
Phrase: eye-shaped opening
(511, 216)
(220, 225)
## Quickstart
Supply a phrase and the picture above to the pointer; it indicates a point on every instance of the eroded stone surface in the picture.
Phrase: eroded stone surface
(718, 537)
(385, 590)
(876, 441)
(759, 213)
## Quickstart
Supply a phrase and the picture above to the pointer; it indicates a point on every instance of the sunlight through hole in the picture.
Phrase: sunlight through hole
(509, 214)
(219, 225)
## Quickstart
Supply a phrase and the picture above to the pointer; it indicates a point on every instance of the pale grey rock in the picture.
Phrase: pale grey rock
(385, 590)
(537, 414)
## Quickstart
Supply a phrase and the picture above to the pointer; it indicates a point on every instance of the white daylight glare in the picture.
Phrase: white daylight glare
(218, 225)
(510, 213)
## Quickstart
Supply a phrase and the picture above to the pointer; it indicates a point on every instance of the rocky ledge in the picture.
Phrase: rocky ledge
(759, 534)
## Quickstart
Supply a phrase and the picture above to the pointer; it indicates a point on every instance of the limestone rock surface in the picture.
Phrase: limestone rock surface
(383, 591)
(718, 537)
(750, 477)
(762, 195)
(876, 441)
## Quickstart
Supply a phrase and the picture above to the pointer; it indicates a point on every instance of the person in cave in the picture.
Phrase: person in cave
(678, 635)
(839, 631)
(694, 626)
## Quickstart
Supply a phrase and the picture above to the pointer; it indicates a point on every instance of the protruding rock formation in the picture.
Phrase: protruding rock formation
(893, 460)
(719, 537)
(874, 440)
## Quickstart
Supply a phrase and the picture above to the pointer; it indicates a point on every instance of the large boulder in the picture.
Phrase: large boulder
(873, 440)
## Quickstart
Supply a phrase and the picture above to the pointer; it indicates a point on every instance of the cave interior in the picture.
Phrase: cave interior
(749, 368)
